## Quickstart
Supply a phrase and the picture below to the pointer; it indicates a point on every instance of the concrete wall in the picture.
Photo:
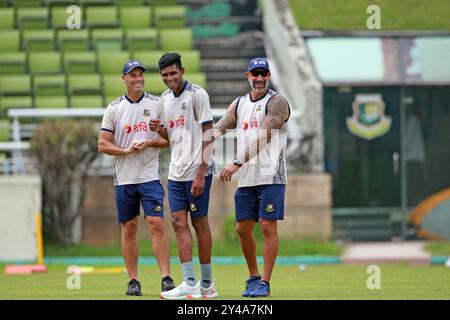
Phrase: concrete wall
(20, 202)
(307, 210)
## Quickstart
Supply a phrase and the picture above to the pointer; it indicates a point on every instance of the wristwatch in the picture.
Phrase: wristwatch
(237, 163)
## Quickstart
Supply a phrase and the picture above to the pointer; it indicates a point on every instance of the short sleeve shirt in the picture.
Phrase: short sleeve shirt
(129, 121)
(183, 116)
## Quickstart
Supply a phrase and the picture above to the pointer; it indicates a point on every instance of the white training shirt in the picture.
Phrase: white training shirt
(130, 121)
(269, 166)
(183, 116)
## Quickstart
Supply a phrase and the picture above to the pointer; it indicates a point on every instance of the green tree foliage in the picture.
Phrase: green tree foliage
(64, 151)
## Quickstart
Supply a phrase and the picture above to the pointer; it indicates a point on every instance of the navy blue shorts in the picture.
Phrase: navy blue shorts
(130, 196)
(264, 201)
(180, 197)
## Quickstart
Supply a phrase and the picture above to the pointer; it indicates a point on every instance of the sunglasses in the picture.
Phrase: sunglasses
(263, 73)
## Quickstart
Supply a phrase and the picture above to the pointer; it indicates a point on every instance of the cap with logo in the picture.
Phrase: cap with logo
(131, 65)
(258, 63)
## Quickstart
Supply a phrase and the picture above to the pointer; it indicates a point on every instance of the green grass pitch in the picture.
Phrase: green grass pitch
(325, 282)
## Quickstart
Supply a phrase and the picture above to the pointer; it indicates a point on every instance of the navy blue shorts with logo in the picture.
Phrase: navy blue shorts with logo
(180, 197)
(264, 201)
(130, 196)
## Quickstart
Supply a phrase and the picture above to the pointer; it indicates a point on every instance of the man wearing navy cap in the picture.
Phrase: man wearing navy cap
(260, 118)
(125, 134)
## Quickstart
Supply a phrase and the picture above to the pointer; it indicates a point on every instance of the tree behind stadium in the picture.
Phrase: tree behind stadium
(64, 151)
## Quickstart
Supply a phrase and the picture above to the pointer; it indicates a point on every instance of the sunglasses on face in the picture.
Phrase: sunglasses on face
(263, 73)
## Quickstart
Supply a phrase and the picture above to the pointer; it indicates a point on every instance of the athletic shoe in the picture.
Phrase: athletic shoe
(134, 288)
(183, 291)
(208, 293)
(251, 285)
(167, 283)
(262, 290)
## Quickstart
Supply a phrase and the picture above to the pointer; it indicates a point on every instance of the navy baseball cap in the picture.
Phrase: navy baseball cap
(130, 65)
(258, 63)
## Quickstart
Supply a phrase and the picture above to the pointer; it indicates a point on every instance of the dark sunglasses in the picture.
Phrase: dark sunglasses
(263, 73)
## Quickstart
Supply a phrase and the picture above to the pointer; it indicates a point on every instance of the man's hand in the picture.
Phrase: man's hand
(130, 149)
(227, 172)
(155, 124)
(142, 145)
(198, 185)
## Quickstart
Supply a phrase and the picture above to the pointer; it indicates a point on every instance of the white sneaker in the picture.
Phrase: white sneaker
(183, 291)
(208, 293)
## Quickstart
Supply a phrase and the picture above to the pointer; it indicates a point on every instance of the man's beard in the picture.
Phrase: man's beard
(258, 90)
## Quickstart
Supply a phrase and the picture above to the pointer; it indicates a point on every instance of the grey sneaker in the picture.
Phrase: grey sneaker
(167, 283)
(134, 288)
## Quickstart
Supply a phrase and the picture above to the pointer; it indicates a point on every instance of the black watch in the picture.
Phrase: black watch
(237, 163)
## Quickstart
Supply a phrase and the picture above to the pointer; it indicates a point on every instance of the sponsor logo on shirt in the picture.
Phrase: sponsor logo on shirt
(253, 124)
(141, 126)
(178, 123)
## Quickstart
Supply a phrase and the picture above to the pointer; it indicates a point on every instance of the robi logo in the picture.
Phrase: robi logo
(128, 128)
(245, 125)
(171, 123)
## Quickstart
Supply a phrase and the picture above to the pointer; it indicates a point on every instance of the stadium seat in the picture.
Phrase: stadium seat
(141, 39)
(38, 40)
(130, 3)
(86, 102)
(84, 84)
(49, 85)
(149, 59)
(73, 40)
(86, 3)
(15, 85)
(59, 17)
(135, 17)
(26, 3)
(79, 62)
(163, 2)
(107, 39)
(176, 39)
(44, 62)
(190, 60)
(65, 3)
(51, 102)
(10, 40)
(7, 19)
(101, 17)
(4, 131)
(32, 18)
(13, 63)
(112, 62)
(197, 78)
(170, 16)
(113, 87)
(154, 84)
(14, 102)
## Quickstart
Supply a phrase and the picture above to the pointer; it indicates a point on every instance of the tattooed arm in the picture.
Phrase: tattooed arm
(228, 121)
(277, 114)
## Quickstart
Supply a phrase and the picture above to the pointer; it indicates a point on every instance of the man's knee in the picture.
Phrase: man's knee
(178, 223)
(129, 228)
(244, 228)
(200, 224)
(156, 225)
(269, 227)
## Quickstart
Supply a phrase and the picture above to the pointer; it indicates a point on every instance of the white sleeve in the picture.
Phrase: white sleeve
(161, 115)
(202, 107)
(108, 119)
